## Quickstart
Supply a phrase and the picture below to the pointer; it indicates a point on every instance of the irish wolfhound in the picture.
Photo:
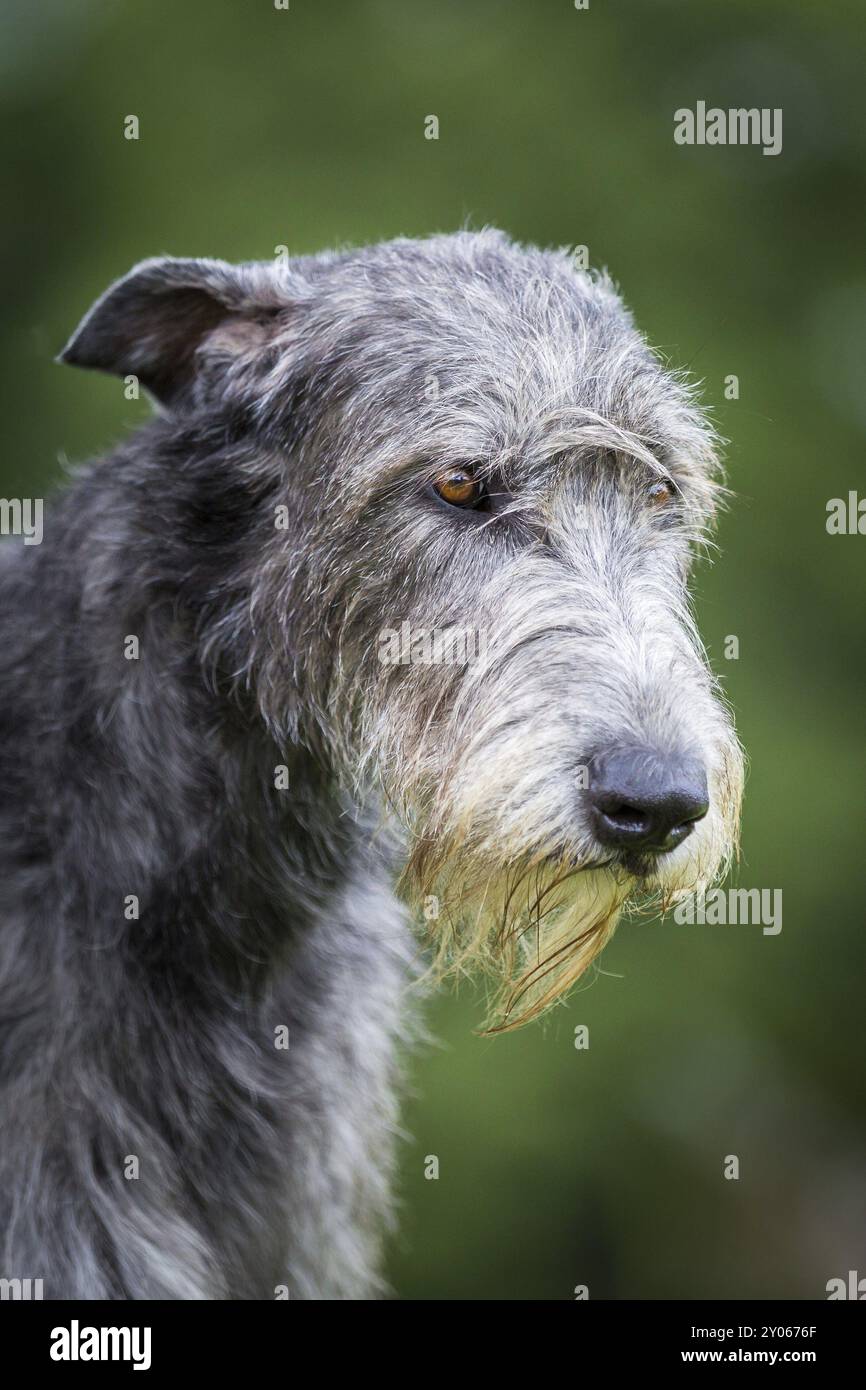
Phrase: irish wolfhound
(216, 765)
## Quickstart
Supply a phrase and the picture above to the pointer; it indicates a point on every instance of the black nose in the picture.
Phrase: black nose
(644, 800)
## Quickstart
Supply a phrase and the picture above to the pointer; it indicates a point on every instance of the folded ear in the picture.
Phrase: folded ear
(153, 321)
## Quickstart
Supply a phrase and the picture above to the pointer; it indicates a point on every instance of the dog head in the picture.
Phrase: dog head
(481, 498)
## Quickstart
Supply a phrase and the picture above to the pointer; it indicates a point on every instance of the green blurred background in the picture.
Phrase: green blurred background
(305, 127)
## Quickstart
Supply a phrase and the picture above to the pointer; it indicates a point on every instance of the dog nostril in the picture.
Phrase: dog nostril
(629, 817)
(642, 800)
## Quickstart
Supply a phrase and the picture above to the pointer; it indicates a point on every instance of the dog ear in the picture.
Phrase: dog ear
(153, 322)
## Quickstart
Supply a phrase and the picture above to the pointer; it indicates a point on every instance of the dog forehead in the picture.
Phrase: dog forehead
(472, 302)
(469, 347)
(474, 336)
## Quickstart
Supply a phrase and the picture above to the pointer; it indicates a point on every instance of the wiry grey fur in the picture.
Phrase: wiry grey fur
(334, 388)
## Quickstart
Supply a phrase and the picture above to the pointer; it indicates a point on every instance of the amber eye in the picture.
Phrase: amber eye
(661, 492)
(458, 487)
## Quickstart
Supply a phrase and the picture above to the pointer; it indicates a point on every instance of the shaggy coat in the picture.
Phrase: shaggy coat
(211, 779)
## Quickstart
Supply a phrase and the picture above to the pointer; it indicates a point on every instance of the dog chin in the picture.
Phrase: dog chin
(532, 928)
(650, 871)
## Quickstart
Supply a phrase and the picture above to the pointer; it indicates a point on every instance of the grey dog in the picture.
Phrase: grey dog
(238, 832)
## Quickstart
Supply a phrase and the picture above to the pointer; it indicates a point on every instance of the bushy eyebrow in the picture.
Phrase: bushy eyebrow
(574, 429)
(560, 439)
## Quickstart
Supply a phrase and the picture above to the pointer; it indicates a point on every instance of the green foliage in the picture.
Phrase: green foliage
(260, 127)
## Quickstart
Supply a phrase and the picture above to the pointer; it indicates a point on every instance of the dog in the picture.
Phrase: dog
(241, 832)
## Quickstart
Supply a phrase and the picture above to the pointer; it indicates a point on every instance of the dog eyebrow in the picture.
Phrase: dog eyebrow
(577, 428)
(656, 467)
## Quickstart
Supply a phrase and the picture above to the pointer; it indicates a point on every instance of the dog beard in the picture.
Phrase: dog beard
(530, 930)
(534, 926)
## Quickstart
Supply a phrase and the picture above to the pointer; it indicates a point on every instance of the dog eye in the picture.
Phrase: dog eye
(459, 488)
(661, 492)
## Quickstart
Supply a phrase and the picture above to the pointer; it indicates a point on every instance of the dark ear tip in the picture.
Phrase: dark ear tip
(151, 321)
(71, 354)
